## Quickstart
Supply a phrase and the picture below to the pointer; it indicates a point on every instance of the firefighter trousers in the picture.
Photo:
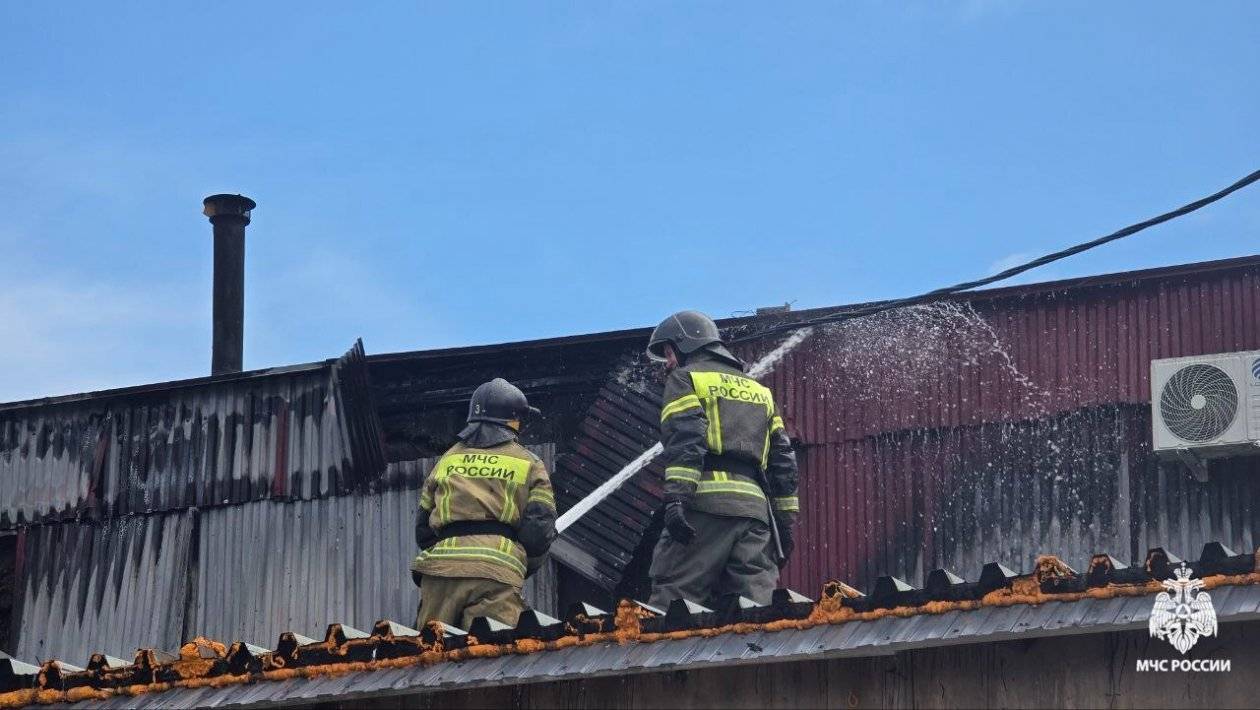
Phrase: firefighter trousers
(728, 555)
(456, 601)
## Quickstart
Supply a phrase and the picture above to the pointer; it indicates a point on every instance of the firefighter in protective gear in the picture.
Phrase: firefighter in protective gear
(725, 445)
(487, 516)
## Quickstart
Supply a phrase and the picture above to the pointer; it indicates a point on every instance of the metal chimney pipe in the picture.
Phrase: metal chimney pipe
(229, 214)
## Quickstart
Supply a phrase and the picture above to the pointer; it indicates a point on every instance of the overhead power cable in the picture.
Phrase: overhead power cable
(804, 328)
(939, 293)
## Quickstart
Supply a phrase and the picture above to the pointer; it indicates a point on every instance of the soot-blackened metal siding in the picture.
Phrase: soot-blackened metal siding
(1011, 424)
(112, 586)
(623, 422)
(300, 432)
(995, 426)
(243, 572)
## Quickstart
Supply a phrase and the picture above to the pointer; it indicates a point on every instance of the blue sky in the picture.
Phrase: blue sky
(432, 175)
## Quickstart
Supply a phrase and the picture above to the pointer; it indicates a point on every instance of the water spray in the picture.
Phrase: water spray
(800, 331)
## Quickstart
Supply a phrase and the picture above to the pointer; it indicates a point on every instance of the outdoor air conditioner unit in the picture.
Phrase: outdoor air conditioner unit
(1206, 406)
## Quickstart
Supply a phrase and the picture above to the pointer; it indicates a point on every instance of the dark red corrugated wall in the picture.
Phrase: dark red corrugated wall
(866, 420)
(1083, 347)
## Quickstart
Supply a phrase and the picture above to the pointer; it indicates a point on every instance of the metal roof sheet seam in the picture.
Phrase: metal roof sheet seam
(1053, 599)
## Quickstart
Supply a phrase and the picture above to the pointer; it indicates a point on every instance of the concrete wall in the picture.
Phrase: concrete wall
(1077, 671)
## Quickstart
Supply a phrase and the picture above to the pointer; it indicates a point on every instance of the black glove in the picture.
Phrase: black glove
(537, 529)
(676, 522)
(786, 540)
(533, 564)
(425, 536)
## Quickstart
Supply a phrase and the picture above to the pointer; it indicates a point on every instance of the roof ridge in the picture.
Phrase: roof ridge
(204, 663)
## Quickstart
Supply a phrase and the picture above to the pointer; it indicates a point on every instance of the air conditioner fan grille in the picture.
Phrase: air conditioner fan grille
(1198, 403)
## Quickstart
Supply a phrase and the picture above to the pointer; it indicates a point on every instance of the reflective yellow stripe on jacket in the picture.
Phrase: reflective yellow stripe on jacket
(776, 423)
(452, 549)
(542, 495)
(723, 483)
(682, 404)
(786, 504)
(682, 473)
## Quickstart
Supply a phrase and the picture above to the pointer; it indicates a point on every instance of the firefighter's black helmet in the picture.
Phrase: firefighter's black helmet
(687, 331)
(499, 401)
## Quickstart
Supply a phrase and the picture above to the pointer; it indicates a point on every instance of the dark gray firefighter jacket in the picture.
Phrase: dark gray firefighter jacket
(719, 429)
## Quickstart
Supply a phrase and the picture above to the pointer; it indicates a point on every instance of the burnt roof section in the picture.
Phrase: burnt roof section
(300, 432)
(572, 368)
(1119, 278)
(421, 393)
(601, 545)
(391, 659)
(920, 434)
(244, 572)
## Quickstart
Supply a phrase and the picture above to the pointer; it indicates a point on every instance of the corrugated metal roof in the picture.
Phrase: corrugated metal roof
(1026, 354)
(1037, 423)
(393, 660)
(303, 432)
(112, 586)
(623, 422)
(639, 335)
(245, 572)
(422, 381)
(921, 432)
(917, 462)
(908, 502)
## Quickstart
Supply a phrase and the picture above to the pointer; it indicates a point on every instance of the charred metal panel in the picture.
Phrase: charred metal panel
(423, 396)
(623, 422)
(303, 432)
(8, 580)
(111, 586)
(909, 502)
(905, 503)
(241, 572)
(271, 566)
